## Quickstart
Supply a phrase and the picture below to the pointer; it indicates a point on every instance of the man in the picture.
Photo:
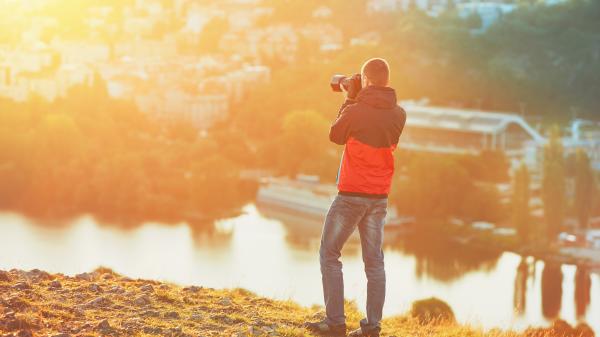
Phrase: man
(369, 124)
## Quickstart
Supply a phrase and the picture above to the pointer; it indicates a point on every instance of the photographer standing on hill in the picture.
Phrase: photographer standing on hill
(369, 124)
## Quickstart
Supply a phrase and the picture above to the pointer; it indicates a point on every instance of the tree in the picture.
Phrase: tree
(584, 187)
(213, 184)
(304, 146)
(520, 203)
(435, 188)
(553, 184)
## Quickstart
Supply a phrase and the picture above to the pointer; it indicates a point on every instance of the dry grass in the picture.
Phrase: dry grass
(81, 305)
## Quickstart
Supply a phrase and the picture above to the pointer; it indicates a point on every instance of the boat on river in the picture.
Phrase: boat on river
(308, 198)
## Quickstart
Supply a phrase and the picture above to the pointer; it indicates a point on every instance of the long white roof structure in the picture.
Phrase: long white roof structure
(466, 120)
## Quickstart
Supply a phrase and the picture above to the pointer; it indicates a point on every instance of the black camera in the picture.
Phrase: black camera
(342, 82)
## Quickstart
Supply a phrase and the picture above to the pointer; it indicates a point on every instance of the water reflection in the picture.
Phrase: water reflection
(583, 285)
(552, 291)
(277, 257)
(520, 294)
(445, 260)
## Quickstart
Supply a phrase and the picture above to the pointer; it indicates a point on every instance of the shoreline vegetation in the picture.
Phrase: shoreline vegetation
(64, 158)
(104, 303)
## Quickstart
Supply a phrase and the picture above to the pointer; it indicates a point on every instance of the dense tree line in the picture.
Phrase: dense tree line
(437, 187)
(90, 153)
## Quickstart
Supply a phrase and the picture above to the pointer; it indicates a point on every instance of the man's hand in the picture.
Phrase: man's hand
(354, 86)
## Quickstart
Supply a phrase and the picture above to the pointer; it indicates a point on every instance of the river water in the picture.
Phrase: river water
(275, 255)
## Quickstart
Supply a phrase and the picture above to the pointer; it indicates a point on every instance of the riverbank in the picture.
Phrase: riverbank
(103, 303)
(172, 212)
(582, 257)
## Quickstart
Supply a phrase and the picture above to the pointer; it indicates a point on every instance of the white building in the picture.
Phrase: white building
(463, 131)
(234, 84)
(202, 111)
(75, 52)
(488, 11)
(146, 49)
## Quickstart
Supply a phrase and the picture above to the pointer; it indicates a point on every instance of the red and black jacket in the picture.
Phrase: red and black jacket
(370, 127)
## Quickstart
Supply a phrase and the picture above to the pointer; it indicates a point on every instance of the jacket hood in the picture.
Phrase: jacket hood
(378, 97)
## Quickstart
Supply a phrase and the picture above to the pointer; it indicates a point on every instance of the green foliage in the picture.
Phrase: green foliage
(554, 184)
(584, 188)
(432, 310)
(303, 146)
(435, 187)
(520, 203)
(70, 156)
(488, 166)
(526, 62)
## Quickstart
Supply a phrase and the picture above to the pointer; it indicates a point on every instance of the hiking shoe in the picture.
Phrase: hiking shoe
(323, 328)
(360, 333)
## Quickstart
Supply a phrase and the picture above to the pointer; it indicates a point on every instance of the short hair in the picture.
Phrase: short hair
(377, 71)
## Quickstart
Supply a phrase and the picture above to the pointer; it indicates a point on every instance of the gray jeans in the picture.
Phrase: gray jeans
(345, 214)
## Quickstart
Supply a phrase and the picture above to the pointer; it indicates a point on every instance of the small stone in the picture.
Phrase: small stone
(172, 315)
(116, 290)
(192, 289)
(196, 317)
(95, 288)
(221, 318)
(22, 286)
(85, 276)
(176, 330)
(103, 325)
(152, 330)
(142, 300)
(252, 330)
(16, 303)
(4, 276)
(37, 275)
(79, 310)
(55, 284)
(225, 301)
(132, 323)
(151, 313)
(147, 288)
(129, 294)
(85, 326)
(99, 302)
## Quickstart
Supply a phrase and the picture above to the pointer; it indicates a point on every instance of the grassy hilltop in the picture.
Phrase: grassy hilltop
(103, 303)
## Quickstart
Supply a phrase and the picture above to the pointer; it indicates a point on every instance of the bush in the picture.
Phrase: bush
(562, 329)
(432, 310)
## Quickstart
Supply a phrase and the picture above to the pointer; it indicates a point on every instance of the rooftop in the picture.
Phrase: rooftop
(466, 120)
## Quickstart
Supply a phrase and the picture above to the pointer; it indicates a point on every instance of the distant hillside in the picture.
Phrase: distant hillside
(543, 61)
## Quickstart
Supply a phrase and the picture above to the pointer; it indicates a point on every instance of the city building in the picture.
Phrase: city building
(201, 111)
(75, 52)
(463, 131)
(488, 11)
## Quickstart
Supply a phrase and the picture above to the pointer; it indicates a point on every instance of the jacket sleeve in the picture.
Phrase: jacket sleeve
(342, 127)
